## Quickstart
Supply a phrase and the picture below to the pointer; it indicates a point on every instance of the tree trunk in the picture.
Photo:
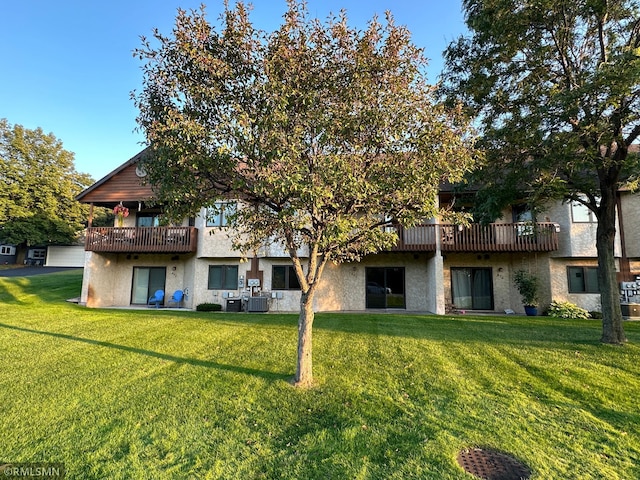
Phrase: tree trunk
(304, 368)
(612, 330)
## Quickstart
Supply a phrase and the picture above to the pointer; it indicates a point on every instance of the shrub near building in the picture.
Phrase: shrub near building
(567, 310)
(209, 307)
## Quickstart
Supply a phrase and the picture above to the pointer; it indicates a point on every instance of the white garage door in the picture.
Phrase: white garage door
(65, 256)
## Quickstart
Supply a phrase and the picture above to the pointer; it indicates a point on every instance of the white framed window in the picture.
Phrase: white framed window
(218, 215)
(38, 254)
(582, 214)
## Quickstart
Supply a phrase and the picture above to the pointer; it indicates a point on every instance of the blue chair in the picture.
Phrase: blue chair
(177, 298)
(157, 298)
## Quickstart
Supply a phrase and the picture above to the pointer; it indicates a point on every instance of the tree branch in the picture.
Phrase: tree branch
(601, 39)
(633, 135)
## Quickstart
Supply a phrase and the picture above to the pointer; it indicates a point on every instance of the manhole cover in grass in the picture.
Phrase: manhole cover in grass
(491, 465)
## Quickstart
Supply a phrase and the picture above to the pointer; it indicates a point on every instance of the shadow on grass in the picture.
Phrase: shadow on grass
(51, 287)
(498, 329)
(503, 329)
(161, 356)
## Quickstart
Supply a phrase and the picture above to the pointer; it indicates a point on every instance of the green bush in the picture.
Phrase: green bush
(209, 307)
(527, 285)
(567, 310)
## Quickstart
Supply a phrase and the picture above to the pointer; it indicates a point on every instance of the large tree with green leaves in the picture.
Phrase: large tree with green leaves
(39, 186)
(328, 134)
(555, 88)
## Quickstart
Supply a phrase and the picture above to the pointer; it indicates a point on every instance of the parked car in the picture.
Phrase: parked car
(375, 288)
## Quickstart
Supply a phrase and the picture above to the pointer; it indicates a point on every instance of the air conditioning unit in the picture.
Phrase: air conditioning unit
(234, 305)
(258, 304)
(630, 310)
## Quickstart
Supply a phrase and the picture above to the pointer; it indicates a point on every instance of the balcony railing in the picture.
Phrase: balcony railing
(494, 237)
(141, 239)
(419, 238)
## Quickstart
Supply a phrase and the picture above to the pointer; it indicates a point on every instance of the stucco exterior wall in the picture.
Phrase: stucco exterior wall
(503, 268)
(108, 283)
(576, 239)
(286, 300)
(200, 292)
(189, 269)
(176, 278)
(435, 299)
(96, 279)
(421, 288)
(630, 204)
(273, 249)
(343, 287)
(107, 279)
(215, 242)
(331, 294)
(559, 284)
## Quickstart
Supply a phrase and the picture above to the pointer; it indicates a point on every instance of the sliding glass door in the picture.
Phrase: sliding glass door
(472, 288)
(146, 280)
(385, 287)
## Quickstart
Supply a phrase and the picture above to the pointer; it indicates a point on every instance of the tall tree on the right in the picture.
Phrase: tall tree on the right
(555, 88)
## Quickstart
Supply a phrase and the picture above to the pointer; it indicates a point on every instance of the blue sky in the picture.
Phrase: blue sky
(68, 66)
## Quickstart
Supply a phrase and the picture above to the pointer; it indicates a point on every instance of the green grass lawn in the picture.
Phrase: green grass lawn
(167, 395)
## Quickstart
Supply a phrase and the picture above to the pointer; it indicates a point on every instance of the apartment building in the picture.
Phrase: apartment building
(434, 267)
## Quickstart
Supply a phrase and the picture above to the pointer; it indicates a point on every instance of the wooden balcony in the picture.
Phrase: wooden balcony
(141, 239)
(494, 237)
(421, 238)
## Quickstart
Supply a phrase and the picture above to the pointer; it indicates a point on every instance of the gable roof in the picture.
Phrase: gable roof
(124, 185)
(121, 185)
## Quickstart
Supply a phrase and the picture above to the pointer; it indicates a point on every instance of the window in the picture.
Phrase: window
(7, 250)
(521, 213)
(38, 254)
(523, 216)
(583, 279)
(581, 214)
(284, 278)
(223, 277)
(389, 227)
(147, 219)
(218, 215)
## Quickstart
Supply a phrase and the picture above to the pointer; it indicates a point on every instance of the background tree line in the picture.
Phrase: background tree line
(39, 184)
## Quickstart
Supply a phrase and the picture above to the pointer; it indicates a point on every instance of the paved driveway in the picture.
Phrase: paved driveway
(28, 271)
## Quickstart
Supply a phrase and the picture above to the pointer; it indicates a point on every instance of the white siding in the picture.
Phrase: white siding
(65, 256)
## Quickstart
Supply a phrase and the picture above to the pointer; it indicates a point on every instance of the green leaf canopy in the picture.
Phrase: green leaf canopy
(555, 88)
(326, 133)
(39, 186)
